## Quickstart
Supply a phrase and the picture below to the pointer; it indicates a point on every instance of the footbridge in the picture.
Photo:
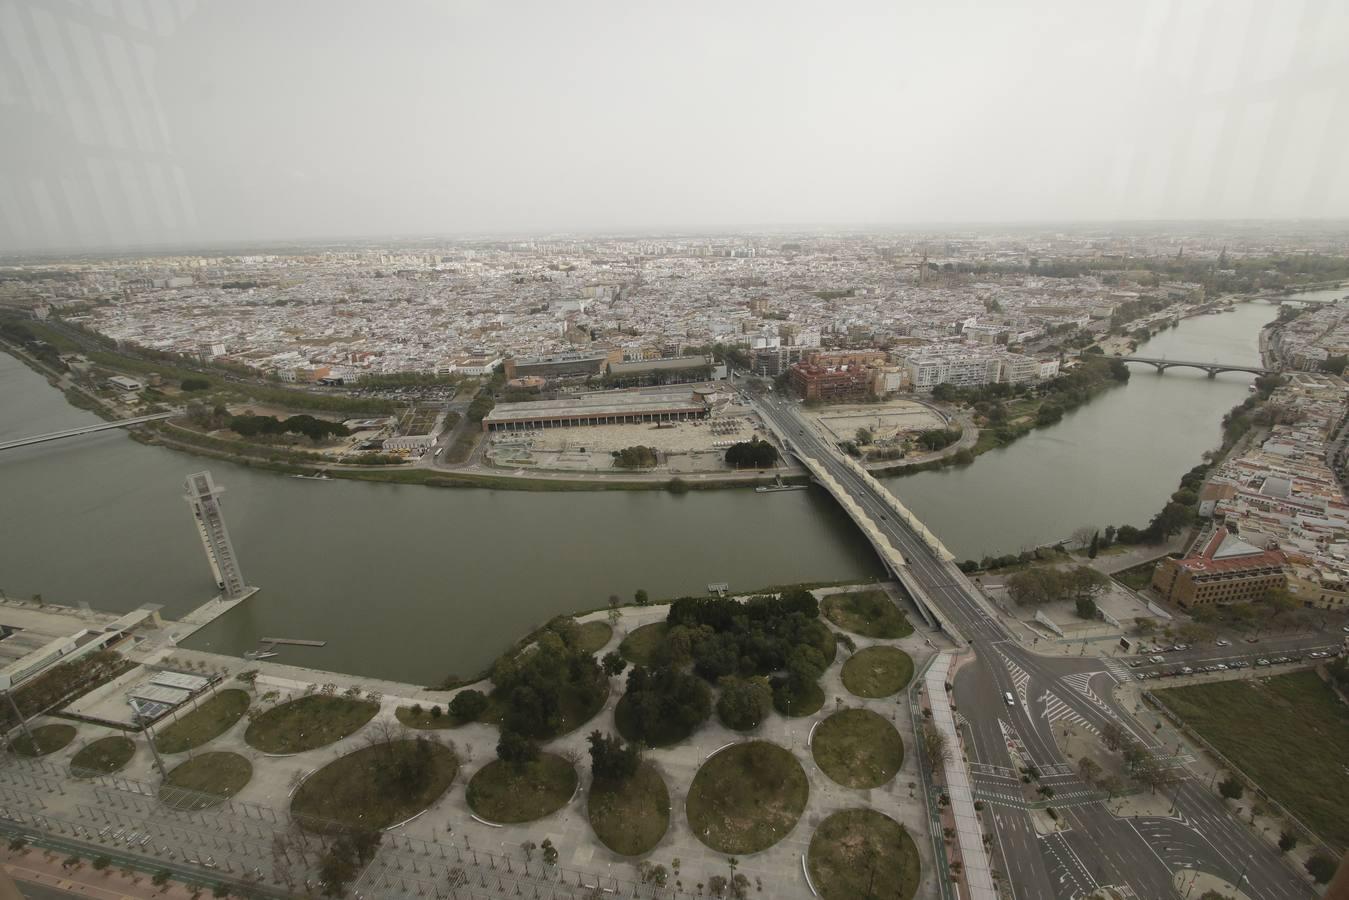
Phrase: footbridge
(87, 429)
(916, 558)
(1212, 368)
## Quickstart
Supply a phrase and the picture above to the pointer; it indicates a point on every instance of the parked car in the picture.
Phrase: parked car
(1262, 662)
(1224, 643)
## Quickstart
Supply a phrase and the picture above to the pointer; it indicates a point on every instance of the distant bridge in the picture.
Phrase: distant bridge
(87, 429)
(1212, 368)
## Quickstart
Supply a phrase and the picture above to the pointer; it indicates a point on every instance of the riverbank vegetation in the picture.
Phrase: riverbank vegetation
(752, 454)
(867, 614)
(638, 457)
(550, 687)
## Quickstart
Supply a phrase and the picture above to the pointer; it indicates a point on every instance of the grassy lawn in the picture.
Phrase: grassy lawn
(1288, 733)
(806, 704)
(212, 777)
(309, 722)
(1136, 577)
(857, 849)
(747, 797)
(205, 723)
(877, 671)
(592, 636)
(103, 756)
(364, 789)
(630, 817)
(867, 613)
(640, 646)
(858, 748)
(504, 793)
(424, 720)
(46, 739)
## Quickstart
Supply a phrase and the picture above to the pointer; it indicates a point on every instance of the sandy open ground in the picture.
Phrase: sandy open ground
(885, 420)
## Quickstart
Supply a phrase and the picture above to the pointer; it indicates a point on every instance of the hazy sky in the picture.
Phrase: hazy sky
(128, 122)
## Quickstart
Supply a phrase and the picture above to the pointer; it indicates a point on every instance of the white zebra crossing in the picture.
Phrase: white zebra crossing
(1057, 711)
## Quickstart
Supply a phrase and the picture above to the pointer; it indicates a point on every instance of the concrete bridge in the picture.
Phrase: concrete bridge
(916, 558)
(87, 429)
(1212, 368)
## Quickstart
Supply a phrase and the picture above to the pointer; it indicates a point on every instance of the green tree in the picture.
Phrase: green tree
(611, 759)
(1287, 841)
(1321, 867)
(1095, 546)
(641, 597)
(516, 749)
(1230, 788)
(613, 663)
(468, 704)
(744, 702)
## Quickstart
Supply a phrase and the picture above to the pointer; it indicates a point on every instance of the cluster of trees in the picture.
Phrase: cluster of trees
(21, 335)
(194, 384)
(482, 404)
(754, 453)
(937, 438)
(610, 759)
(757, 637)
(638, 457)
(314, 429)
(535, 686)
(1046, 584)
(744, 701)
(344, 858)
(665, 701)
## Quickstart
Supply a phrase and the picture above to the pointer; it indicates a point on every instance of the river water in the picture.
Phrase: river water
(414, 583)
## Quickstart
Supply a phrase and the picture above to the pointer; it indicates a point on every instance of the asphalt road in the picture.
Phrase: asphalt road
(1096, 848)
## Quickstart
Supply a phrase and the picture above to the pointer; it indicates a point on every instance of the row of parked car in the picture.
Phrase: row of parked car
(1234, 664)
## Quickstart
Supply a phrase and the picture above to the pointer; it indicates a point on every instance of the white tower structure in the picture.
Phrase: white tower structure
(204, 497)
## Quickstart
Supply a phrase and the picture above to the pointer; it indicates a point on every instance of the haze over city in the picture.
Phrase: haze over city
(157, 123)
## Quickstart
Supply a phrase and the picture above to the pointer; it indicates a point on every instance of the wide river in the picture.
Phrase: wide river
(414, 583)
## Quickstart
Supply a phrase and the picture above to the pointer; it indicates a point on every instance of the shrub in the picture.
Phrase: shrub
(468, 705)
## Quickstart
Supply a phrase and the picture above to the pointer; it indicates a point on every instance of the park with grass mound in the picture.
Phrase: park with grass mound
(508, 792)
(868, 613)
(209, 780)
(102, 757)
(862, 853)
(630, 815)
(877, 671)
(308, 723)
(858, 748)
(43, 740)
(375, 787)
(207, 722)
(592, 636)
(747, 797)
(641, 645)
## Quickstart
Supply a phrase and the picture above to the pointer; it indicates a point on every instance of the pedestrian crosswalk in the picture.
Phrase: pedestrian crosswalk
(978, 768)
(1118, 670)
(1081, 683)
(1058, 711)
(1020, 679)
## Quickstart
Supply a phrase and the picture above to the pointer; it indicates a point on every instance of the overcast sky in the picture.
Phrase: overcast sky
(134, 122)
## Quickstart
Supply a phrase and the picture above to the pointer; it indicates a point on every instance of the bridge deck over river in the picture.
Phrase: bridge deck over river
(87, 429)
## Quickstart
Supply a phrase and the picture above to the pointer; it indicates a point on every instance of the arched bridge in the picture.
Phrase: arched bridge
(1212, 368)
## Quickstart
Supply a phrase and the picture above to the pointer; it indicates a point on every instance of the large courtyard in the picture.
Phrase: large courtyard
(885, 421)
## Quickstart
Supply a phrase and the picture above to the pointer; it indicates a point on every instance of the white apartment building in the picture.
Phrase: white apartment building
(928, 371)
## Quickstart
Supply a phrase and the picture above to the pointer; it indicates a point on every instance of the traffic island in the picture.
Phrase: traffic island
(630, 816)
(858, 748)
(877, 671)
(102, 757)
(375, 787)
(508, 793)
(862, 853)
(747, 797)
(308, 723)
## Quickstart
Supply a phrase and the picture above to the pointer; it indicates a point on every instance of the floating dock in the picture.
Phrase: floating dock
(294, 642)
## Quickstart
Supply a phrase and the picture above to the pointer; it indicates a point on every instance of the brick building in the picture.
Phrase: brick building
(1227, 570)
